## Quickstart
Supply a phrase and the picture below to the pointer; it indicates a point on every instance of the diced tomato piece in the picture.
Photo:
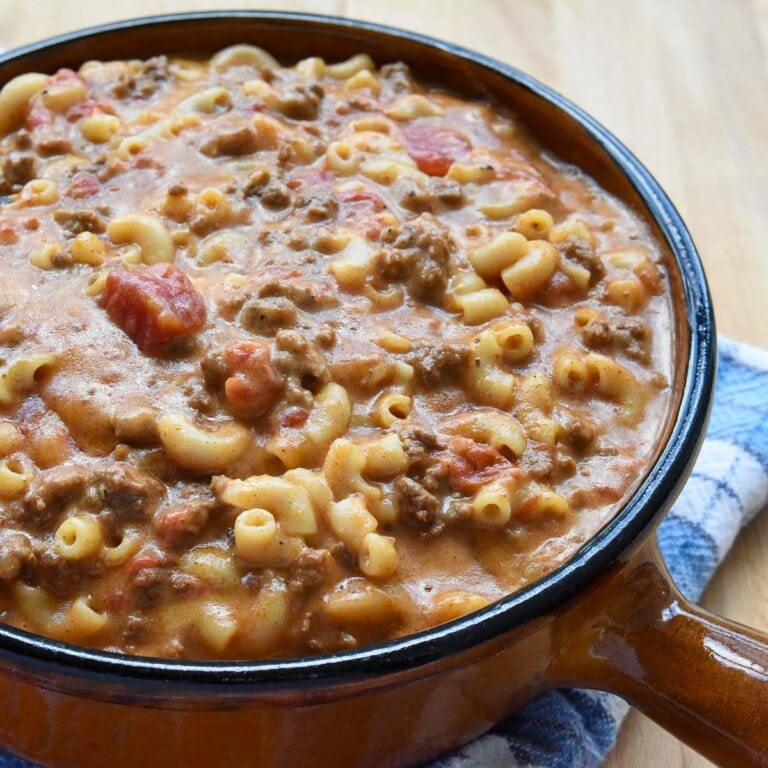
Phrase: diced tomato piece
(83, 185)
(294, 417)
(143, 160)
(374, 230)
(89, 107)
(471, 465)
(310, 177)
(479, 455)
(38, 115)
(83, 109)
(154, 306)
(253, 387)
(8, 235)
(146, 558)
(365, 196)
(359, 203)
(435, 147)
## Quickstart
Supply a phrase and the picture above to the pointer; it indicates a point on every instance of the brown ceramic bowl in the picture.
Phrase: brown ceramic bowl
(609, 619)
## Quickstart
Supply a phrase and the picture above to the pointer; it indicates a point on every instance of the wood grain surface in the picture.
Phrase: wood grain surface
(683, 83)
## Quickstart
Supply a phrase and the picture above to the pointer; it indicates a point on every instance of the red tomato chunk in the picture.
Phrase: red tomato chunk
(471, 465)
(363, 200)
(435, 147)
(155, 306)
(253, 387)
(89, 107)
(38, 116)
(83, 185)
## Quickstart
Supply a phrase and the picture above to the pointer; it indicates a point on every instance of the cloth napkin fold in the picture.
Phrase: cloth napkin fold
(728, 487)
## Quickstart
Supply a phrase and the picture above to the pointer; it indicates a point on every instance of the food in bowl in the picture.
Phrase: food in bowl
(299, 359)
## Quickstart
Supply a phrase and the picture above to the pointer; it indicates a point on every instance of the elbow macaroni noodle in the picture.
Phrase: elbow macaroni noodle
(198, 449)
(15, 96)
(289, 501)
(148, 232)
(328, 420)
(77, 538)
(21, 376)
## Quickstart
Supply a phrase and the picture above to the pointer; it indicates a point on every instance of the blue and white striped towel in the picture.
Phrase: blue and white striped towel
(729, 486)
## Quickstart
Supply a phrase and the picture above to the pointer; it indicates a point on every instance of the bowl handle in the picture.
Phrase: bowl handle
(701, 677)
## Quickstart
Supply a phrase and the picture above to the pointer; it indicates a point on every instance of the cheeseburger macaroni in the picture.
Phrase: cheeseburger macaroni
(297, 359)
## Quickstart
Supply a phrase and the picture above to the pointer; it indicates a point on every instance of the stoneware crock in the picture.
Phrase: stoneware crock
(609, 619)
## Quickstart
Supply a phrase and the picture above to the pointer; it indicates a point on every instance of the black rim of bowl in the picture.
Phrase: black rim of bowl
(651, 499)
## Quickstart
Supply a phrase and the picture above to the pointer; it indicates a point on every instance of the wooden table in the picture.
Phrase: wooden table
(682, 83)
